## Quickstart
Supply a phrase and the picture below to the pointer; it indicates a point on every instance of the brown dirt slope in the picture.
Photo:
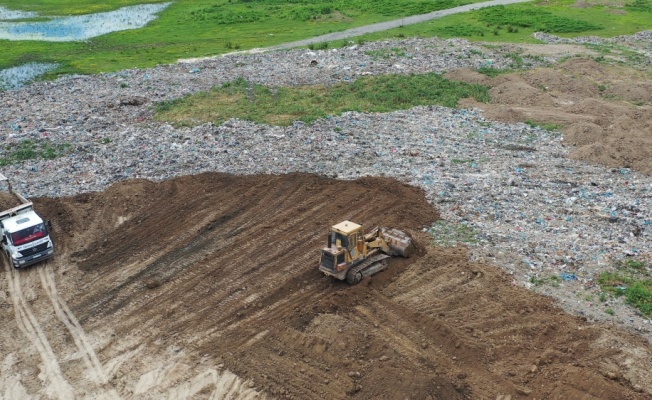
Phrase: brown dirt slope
(604, 111)
(172, 281)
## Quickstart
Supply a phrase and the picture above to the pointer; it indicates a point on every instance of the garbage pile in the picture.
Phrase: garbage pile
(510, 187)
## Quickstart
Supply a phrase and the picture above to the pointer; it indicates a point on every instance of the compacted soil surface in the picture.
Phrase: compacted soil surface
(206, 286)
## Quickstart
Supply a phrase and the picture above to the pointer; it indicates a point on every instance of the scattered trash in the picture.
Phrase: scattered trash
(568, 277)
(533, 214)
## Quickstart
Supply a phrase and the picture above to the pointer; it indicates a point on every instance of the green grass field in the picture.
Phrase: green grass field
(516, 23)
(194, 28)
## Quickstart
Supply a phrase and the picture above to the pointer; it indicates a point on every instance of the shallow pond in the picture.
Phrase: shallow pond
(7, 14)
(16, 77)
(65, 29)
(77, 27)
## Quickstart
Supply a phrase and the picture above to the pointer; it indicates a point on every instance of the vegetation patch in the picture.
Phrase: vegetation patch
(281, 106)
(29, 150)
(387, 53)
(534, 18)
(463, 30)
(632, 281)
(552, 280)
(640, 5)
(517, 22)
(550, 127)
(445, 233)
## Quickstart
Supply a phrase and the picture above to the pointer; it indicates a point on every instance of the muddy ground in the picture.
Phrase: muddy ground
(206, 287)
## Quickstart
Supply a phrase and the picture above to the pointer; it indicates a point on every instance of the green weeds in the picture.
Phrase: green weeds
(445, 233)
(631, 280)
(281, 106)
(553, 280)
(640, 5)
(29, 150)
(550, 127)
(533, 18)
(387, 53)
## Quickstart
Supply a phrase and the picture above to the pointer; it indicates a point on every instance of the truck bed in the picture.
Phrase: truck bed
(7, 201)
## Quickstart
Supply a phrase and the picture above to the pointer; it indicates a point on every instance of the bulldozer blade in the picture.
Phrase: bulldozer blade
(400, 244)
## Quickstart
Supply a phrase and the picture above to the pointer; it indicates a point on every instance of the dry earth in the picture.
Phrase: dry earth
(604, 111)
(206, 287)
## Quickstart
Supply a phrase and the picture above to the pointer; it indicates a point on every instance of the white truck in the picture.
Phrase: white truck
(25, 236)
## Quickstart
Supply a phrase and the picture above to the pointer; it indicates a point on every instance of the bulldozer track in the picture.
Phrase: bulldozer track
(356, 273)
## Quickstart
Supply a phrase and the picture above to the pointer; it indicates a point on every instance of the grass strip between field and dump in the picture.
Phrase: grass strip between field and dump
(281, 106)
(197, 28)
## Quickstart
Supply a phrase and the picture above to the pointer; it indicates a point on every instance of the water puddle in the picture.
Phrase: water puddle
(7, 14)
(77, 27)
(65, 29)
(13, 78)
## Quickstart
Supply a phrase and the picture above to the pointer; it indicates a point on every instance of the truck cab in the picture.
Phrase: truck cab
(25, 236)
(25, 239)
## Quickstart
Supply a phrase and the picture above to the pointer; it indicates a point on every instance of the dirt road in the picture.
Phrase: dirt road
(206, 287)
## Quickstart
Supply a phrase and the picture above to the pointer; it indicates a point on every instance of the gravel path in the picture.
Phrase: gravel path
(507, 190)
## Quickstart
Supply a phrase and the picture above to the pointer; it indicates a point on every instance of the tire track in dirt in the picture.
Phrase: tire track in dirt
(94, 367)
(29, 325)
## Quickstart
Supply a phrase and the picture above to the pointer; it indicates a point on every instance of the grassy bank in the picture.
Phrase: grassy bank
(281, 106)
(195, 28)
(516, 23)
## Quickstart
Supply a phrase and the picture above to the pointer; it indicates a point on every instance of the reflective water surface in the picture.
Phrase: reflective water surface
(7, 14)
(77, 27)
(16, 77)
(65, 29)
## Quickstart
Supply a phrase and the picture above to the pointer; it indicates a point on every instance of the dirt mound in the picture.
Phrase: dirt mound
(635, 92)
(7, 201)
(514, 90)
(467, 75)
(586, 67)
(167, 289)
(553, 81)
(604, 110)
(583, 133)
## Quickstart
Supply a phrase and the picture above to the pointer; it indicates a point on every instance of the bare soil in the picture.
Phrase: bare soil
(604, 112)
(206, 287)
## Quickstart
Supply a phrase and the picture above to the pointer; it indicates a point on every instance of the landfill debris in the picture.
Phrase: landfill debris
(509, 189)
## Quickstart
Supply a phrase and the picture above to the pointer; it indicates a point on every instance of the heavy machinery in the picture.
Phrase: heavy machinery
(350, 254)
(25, 237)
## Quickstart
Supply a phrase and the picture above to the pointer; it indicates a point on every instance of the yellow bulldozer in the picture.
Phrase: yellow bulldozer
(350, 254)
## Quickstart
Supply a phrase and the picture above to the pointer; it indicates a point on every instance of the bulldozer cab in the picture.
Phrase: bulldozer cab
(348, 236)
